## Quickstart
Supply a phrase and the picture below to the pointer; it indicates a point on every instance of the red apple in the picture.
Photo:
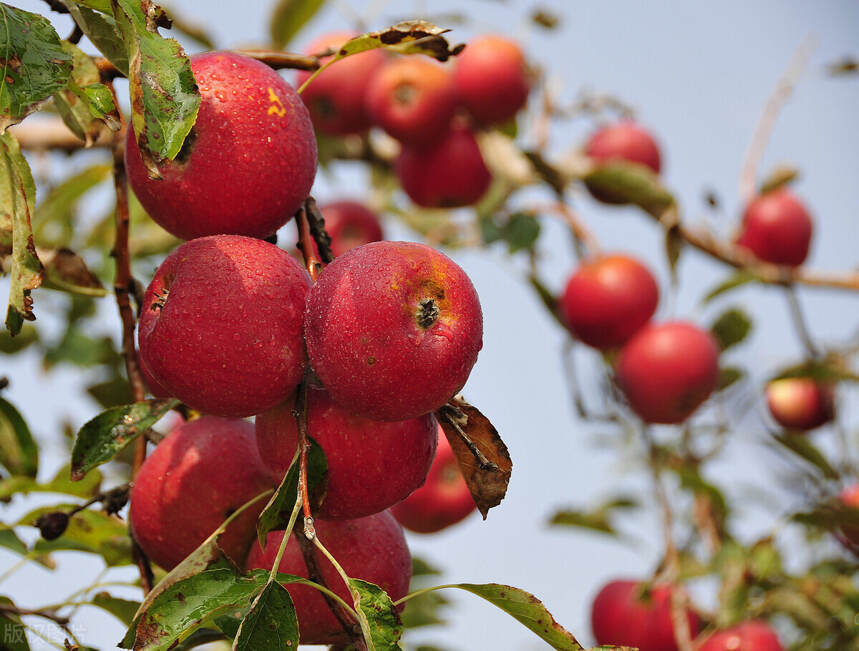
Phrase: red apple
(360, 454)
(622, 615)
(413, 99)
(449, 174)
(800, 403)
(442, 501)
(748, 636)
(608, 299)
(393, 329)
(201, 473)
(492, 79)
(627, 141)
(337, 97)
(220, 325)
(777, 228)
(666, 371)
(248, 163)
(153, 386)
(371, 549)
(350, 224)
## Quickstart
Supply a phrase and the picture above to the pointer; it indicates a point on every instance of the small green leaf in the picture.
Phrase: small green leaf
(111, 393)
(10, 540)
(619, 182)
(12, 630)
(411, 37)
(164, 95)
(271, 622)
(288, 17)
(778, 178)
(89, 531)
(597, 519)
(101, 29)
(86, 121)
(10, 345)
(18, 451)
(528, 610)
(733, 281)
(275, 515)
(728, 376)
(801, 446)
(54, 217)
(17, 198)
(122, 609)
(34, 64)
(375, 607)
(59, 484)
(421, 567)
(102, 437)
(731, 328)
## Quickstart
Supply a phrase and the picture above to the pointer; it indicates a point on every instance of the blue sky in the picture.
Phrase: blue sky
(698, 75)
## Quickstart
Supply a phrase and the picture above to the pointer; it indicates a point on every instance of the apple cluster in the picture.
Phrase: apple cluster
(431, 109)
(232, 326)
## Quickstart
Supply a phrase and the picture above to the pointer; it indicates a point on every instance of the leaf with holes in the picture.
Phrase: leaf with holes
(380, 615)
(271, 622)
(19, 453)
(164, 95)
(480, 453)
(34, 64)
(17, 199)
(106, 434)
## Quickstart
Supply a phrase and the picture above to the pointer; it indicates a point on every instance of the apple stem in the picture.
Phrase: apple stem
(303, 446)
(286, 536)
(800, 323)
(305, 243)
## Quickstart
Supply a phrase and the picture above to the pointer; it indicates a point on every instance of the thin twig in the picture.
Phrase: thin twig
(581, 232)
(768, 118)
(305, 243)
(123, 287)
(300, 413)
(799, 322)
(672, 562)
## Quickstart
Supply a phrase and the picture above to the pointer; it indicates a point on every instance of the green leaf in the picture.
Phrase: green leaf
(733, 281)
(288, 17)
(34, 64)
(377, 610)
(18, 451)
(122, 609)
(10, 345)
(101, 29)
(621, 182)
(65, 271)
(102, 437)
(421, 567)
(12, 631)
(598, 519)
(728, 376)
(528, 610)
(10, 540)
(271, 623)
(78, 348)
(84, 119)
(275, 515)
(520, 232)
(731, 328)
(164, 95)
(801, 446)
(89, 531)
(54, 217)
(111, 393)
(59, 484)
(411, 37)
(17, 198)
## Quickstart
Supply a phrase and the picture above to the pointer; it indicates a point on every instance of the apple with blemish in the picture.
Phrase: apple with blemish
(630, 613)
(221, 325)
(777, 228)
(336, 98)
(492, 79)
(449, 174)
(247, 164)
(361, 454)
(608, 299)
(198, 475)
(372, 549)
(800, 403)
(667, 370)
(749, 636)
(442, 501)
(413, 99)
(393, 329)
(626, 141)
